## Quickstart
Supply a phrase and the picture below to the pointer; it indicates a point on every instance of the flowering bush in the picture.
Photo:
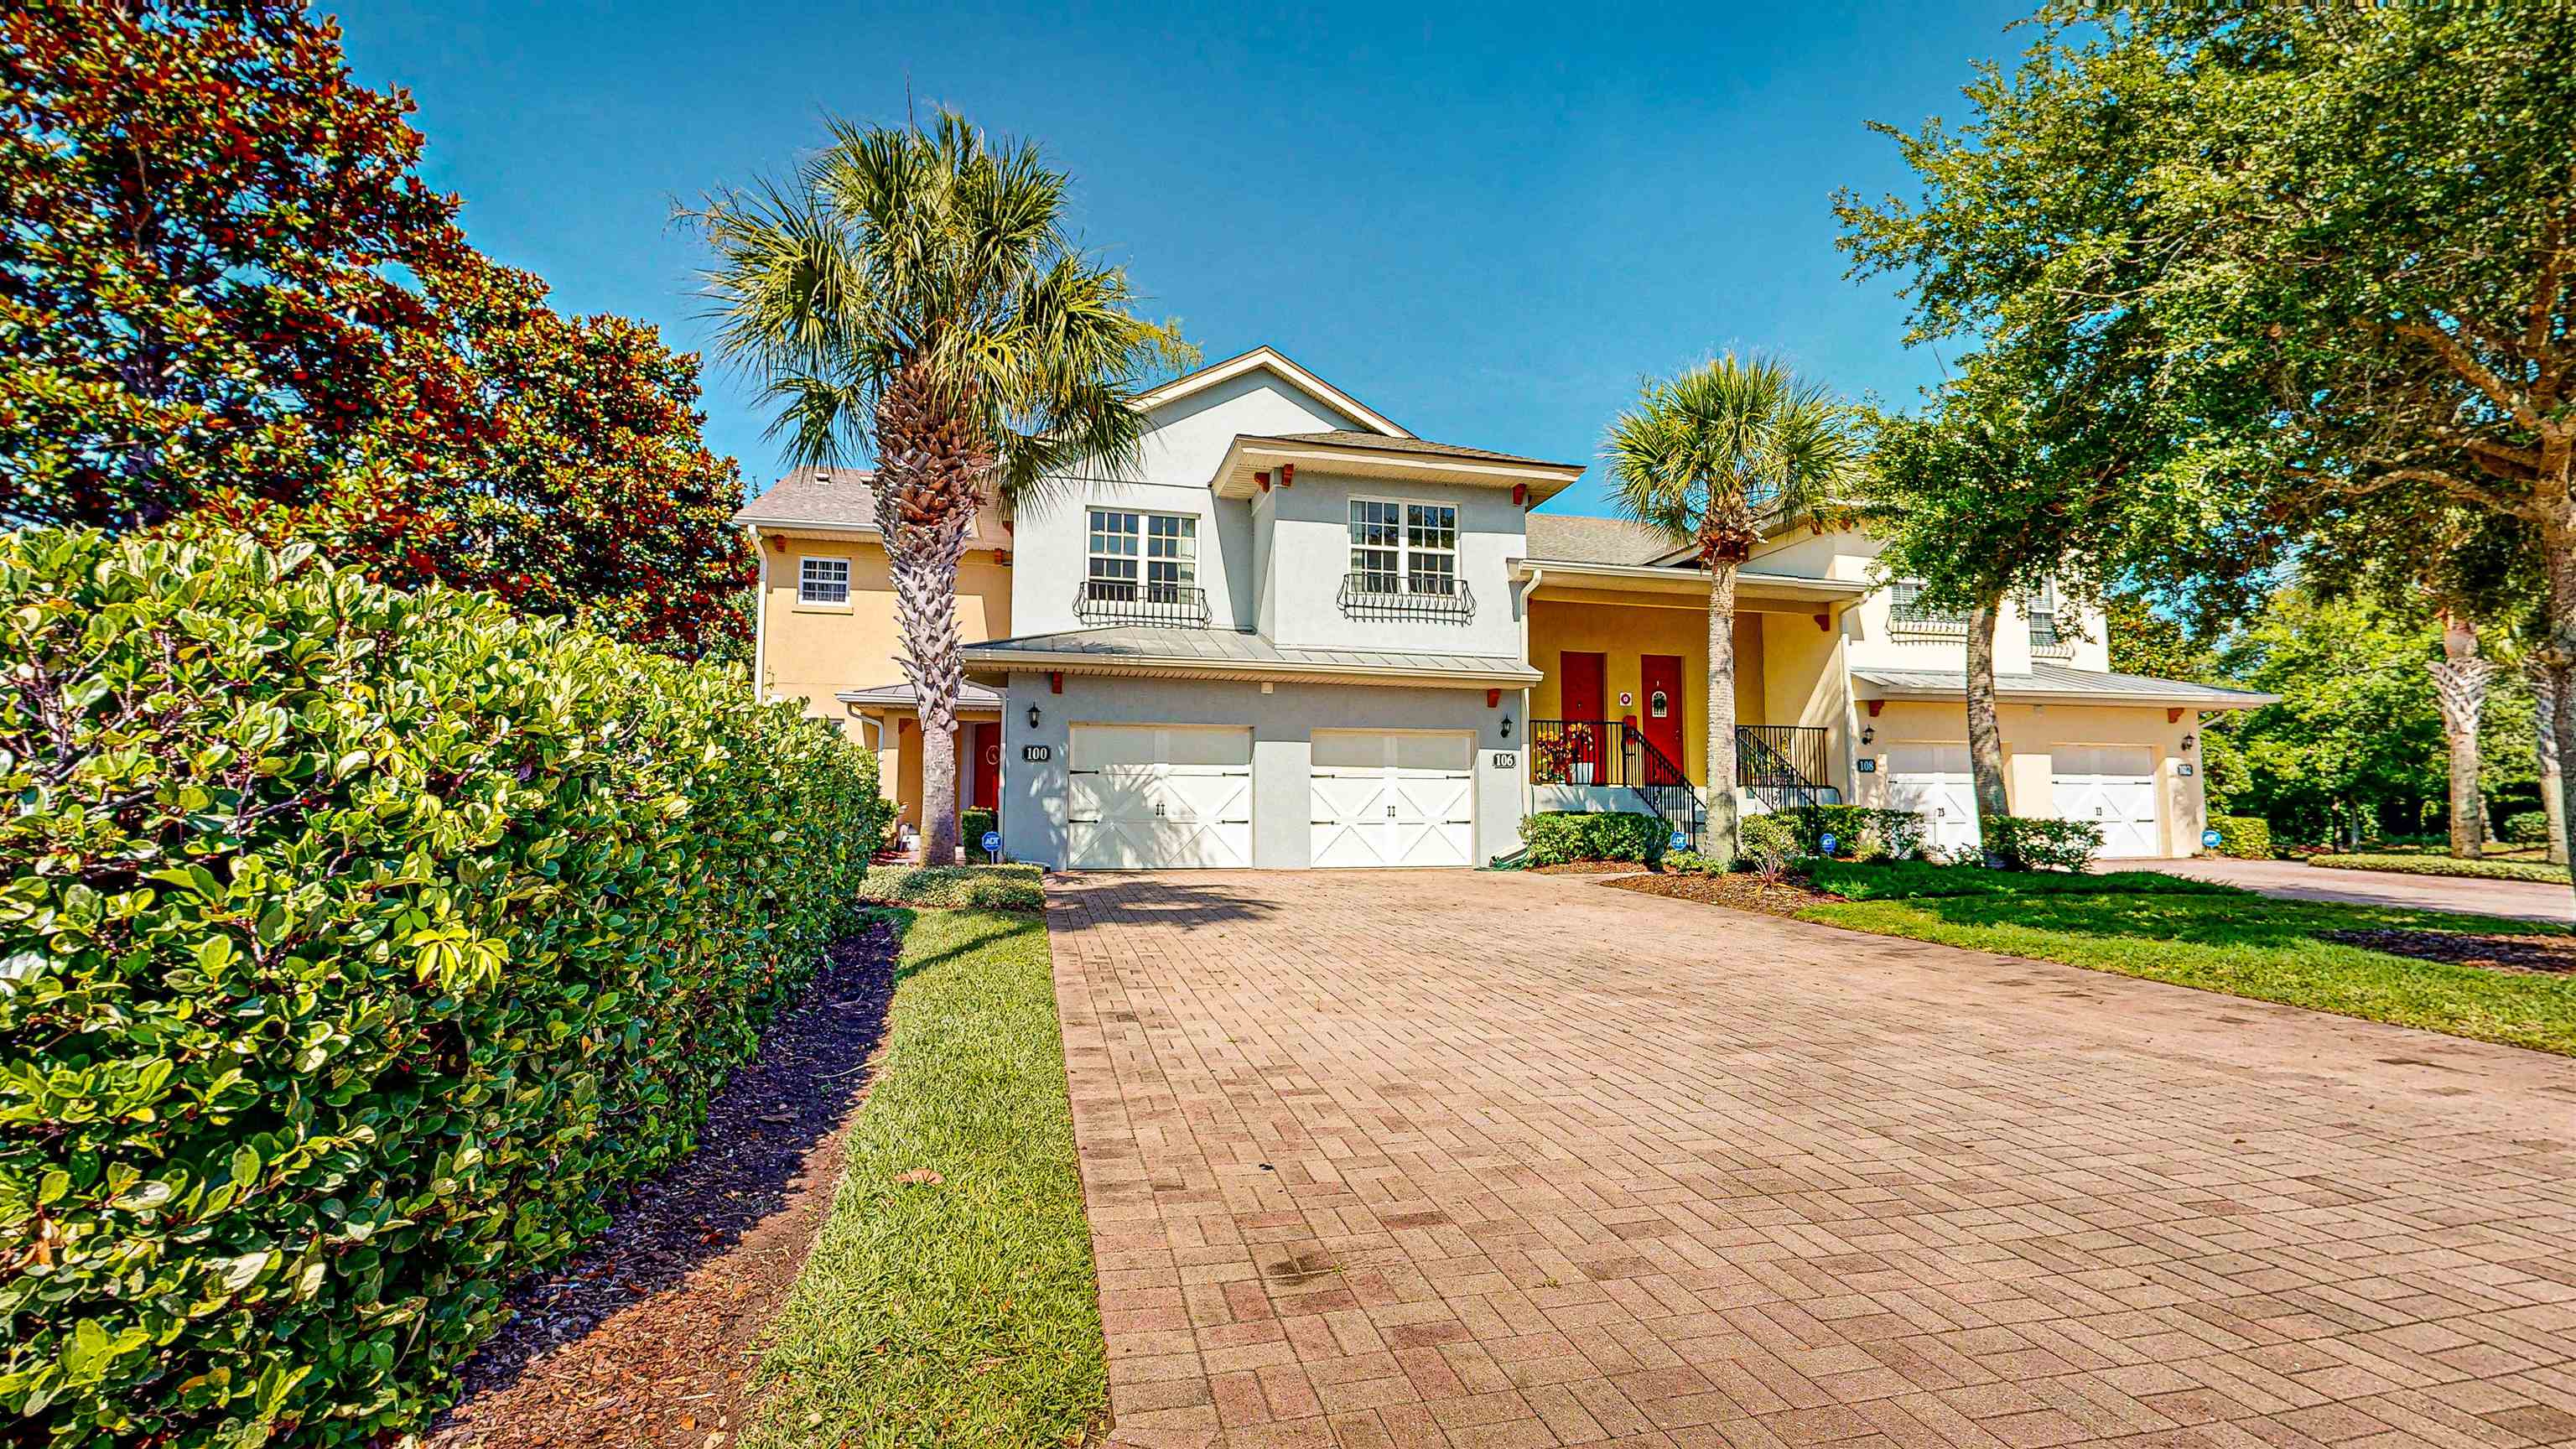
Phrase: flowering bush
(357, 947)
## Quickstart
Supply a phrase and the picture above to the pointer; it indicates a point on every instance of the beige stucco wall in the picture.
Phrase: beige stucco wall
(1623, 632)
(2032, 733)
(812, 652)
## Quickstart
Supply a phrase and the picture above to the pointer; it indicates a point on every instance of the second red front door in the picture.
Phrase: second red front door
(1659, 679)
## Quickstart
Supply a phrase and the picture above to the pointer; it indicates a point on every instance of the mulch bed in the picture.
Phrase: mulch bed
(651, 1337)
(1588, 867)
(1742, 891)
(2501, 953)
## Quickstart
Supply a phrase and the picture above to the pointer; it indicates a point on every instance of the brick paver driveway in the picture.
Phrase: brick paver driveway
(1457, 1159)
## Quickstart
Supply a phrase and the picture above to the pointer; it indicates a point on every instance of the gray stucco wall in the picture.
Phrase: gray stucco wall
(1283, 723)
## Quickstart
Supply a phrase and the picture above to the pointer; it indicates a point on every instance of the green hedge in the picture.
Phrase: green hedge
(2243, 837)
(1562, 837)
(972, 822)
(2533, 870)
(357, 949)
(1859, 832)
(2032, 842)
(2526, 827)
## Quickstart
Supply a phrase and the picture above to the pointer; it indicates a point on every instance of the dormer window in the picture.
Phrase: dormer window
(1404, 562)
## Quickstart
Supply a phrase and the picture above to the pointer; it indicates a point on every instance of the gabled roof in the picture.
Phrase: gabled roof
(842, 500)
(1136, 649)
(2055, 683)
(1574, 538)
(1266, 358)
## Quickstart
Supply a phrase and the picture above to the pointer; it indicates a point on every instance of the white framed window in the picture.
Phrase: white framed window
(1135, 555)
(823, 582)
(1911, 616)
(1404, 548)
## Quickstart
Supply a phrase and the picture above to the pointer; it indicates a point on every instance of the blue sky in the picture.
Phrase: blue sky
(1487, 222)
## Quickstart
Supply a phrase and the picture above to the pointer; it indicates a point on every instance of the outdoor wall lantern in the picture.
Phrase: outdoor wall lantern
(1868, 733)
(1507, 726)
(2186, 743)
(1033, 716)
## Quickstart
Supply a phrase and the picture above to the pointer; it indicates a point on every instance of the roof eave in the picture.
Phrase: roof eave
(1866, 690)
(997, 664)
(1247, 455)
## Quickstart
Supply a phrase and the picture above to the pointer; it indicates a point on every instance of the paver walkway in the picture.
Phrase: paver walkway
(2289, 880)
(1490, 1160)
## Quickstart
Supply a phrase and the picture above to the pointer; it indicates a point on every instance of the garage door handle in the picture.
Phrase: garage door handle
(1390, 812)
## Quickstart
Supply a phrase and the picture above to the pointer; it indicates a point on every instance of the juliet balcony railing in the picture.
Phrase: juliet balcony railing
(1127, 601)
(1439, 599)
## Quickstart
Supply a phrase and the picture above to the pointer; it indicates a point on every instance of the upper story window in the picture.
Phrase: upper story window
(1142, 568)
(823, 581)
(1910, 618)
(1404, 562)
(2047, 638)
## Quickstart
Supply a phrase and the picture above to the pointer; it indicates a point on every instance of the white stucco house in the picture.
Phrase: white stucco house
(1296, 635)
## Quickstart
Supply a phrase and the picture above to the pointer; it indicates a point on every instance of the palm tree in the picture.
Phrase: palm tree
(913, 294)
(1711, 457)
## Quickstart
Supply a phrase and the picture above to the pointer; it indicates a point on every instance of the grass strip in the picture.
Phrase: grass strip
(951, 1298)
(2249, 946)
(1913, 879)
(2531, 870)
(956, 887)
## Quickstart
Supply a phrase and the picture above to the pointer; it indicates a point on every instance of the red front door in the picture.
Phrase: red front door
(1580, 699)
(1660, 677)
(986, 742)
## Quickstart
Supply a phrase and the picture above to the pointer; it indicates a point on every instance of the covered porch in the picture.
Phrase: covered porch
(1619, 717)
(886, 719)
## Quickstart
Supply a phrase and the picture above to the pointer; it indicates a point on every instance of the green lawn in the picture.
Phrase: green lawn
(2235, 942)
(950, 887)
(1889, 880)
(963, 1310)
(2538, 869)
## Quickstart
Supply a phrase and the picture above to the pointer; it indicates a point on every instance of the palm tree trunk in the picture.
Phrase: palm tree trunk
(924, 569)
(1986, 734)
(2553, 781)
(1723, 838)
(2460, 682)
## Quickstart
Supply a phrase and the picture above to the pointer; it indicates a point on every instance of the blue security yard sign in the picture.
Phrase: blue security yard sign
(1826, 844)
(2211, 840)
(993, 845)
(1678, 842)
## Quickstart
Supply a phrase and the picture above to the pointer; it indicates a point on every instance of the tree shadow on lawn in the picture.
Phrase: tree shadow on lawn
(2201, 920)
(756, 1188)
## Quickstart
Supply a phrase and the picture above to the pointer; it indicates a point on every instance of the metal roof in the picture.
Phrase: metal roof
(901, 695)
(2056, 682)
(1133, 648)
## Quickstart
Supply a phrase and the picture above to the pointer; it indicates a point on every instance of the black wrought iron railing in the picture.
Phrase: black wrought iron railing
(1439, 598)
(1782, 765)
(1616, 755)
(1128, 601)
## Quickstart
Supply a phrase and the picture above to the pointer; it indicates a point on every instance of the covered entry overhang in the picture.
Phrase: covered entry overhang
(1677, 587)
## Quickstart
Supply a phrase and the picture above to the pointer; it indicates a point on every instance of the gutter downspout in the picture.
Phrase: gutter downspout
(759, 622)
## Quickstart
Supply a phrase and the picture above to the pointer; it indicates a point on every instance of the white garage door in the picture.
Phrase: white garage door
(2114, 786)
(1391, 798)
(1933, 781)
(1144, 797)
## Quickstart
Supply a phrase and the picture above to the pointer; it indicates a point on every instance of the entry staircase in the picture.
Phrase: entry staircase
(1778, 765)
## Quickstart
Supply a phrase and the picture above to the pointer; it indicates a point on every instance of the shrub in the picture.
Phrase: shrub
(1773, 834)
(984, 887)
(1689, 862)
(2029, 842)
(1562, 837)
(2243, 837)
(2526, 827)
(972, 822)
(1859, 832)
(357, 948)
